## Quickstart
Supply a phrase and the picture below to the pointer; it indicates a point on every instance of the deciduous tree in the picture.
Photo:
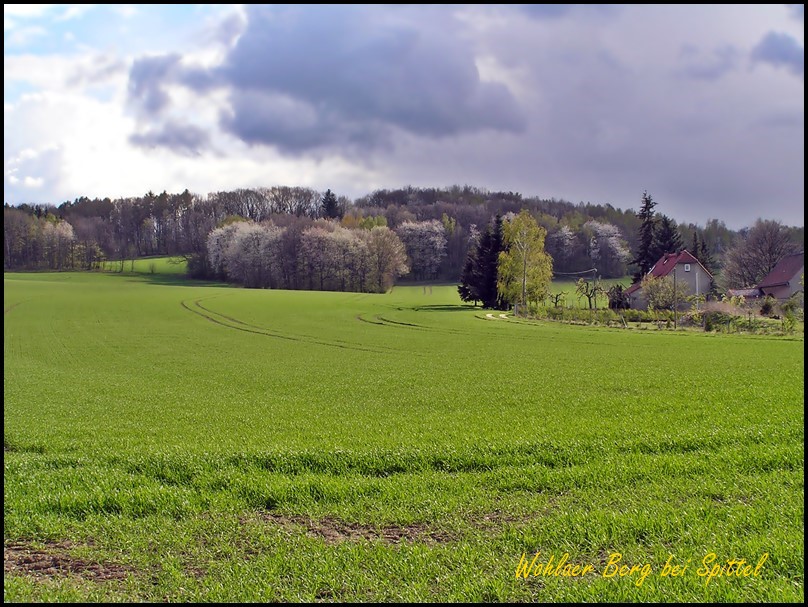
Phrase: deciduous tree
(608, 251)
(660, 294)
(425, 242)
(387, 257)
(524, 269)
(756, 253)
(590, 290)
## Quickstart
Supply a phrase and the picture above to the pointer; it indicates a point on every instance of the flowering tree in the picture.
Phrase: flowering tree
(425, 242)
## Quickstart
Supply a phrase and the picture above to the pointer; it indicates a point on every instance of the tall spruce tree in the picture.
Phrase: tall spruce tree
(667, 238)
(490, 270)
(701, 252)
(705, 257)
(646, 251)
(330, 205)
(479, 279)
(469, 284)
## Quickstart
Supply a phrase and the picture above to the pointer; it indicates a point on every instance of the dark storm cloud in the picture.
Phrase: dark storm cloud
(362, 71)
(227, 30)
(147, 78)
(300, 79)
(781, 50)
(618, 100)
(198, 79)
(184, 139)
(296, 126)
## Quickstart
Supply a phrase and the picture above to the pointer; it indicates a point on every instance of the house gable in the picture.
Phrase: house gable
(784, 279)
(664, 267)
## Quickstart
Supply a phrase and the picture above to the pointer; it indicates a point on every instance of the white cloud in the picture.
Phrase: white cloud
(75, 10)
(125, 10)
(90, 154)
(27, 153)
(63, 72)
(24, 35)
(36, 11)
(26, 11)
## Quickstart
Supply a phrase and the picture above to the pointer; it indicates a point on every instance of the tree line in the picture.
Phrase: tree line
(85, 232)
(178, 224)
(322, 256)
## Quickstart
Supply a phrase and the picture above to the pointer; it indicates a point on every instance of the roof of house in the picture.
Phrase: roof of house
(746, 293)
(665, 265)
(784, 271)
(631, 289)
(779, 292)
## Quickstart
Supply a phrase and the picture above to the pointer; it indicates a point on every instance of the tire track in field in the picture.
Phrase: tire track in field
(229, 322)
(12, 306)
(389, 323)
(449, 331)
(405, 325)
(340, 343)
(381, 321)
(397, 324)
(212, 319)
(370, 322)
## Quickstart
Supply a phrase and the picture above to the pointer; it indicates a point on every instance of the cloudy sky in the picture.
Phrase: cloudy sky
(702, 106)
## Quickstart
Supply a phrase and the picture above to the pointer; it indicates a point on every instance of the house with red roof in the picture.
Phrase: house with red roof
(781, 283)
(682, 267)
(784, 279)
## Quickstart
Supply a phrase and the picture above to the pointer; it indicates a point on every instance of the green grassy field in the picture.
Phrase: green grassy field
(571, 298)
(166, 441)
(172, 266)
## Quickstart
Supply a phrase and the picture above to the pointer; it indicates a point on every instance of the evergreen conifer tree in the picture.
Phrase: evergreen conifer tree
(705, 257)
(330, 205)
(645, 258)
(469, 284)
(666, 238)
(478, 281)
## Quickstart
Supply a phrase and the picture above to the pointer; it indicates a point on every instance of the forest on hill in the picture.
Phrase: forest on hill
(84, 233)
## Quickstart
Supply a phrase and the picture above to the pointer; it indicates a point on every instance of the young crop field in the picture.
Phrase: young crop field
(172, 266)
(166, 440)
(571, 299)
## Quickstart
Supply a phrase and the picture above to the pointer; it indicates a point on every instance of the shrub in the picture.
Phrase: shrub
(767, 306)
(638, 316)
(789, 306)
(715, 320)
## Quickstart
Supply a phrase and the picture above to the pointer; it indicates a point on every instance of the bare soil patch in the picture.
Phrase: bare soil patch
(336, 531)
(54, 560)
